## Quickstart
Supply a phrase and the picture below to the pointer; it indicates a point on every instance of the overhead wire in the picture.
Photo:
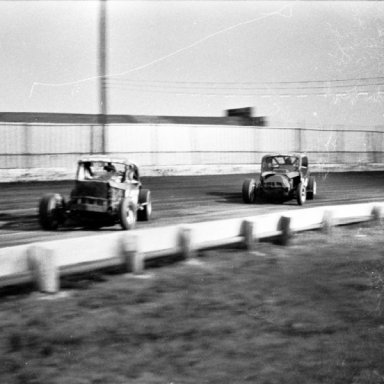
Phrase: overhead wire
(249, 85)
(250, 82)
(243, 89)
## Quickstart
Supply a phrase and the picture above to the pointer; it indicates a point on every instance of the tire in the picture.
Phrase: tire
(144, 198)
(248, 191)
(51, 211)
(301, 193)
(312, 187)
(127, 214)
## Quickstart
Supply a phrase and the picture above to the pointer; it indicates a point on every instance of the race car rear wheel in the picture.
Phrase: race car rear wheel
(145, 212)
(51, 211)
(301, 193)
(127, 214)
(311, 189)
(248, 191)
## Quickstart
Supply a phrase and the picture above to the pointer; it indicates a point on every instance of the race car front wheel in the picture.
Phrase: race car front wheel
(301, 193)
(127, 214)
(145, 202)
(312, 187)
(248, 191)
(51, 211)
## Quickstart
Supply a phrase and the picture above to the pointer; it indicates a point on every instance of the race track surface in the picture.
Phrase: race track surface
(176, 199)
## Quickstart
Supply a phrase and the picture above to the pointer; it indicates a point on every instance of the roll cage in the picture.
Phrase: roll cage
(280, 162)
(106, 169)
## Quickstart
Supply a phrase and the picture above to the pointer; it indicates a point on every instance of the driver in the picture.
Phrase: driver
(110, 172)
(110, 168)
(88, 172)
(268, 164)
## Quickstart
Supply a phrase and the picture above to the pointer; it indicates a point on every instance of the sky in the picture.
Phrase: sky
(315, 62)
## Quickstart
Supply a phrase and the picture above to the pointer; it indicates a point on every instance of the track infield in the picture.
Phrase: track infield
(309, 312)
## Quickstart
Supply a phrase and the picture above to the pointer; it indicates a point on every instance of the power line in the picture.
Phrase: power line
(167, 82)
(250, 94)
(150, 86)
(223, 90)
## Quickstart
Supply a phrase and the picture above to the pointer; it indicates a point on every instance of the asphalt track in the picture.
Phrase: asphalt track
(176, 199)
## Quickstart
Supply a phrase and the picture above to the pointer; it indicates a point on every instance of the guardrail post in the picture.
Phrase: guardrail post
(377, 214)
(328, 222)
(133, 258)
(186, 243)
(249, 238)
(44, 270)
(285, 228)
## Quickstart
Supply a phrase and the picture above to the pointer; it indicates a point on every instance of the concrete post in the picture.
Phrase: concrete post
(285, 227)
(249, 238)
(328, 222)
(377, 214)
(44, 270)
(186, 243)
(133, 258)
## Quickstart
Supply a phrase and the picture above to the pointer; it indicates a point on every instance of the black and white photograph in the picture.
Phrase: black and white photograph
(191, 192)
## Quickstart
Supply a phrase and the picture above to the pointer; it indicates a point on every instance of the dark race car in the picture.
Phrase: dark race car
(107, 191)
(283, 177)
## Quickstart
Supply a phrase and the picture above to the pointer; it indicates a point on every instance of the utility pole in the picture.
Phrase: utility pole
(102, 71)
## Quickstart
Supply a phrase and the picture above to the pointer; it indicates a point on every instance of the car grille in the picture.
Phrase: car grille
(274, 184)
(88, 204)
(89, 200)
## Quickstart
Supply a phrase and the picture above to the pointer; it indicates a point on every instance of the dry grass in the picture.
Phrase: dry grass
(311, 312)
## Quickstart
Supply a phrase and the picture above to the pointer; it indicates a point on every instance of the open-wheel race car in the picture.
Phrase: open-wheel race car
(107, 191)
(282, 178)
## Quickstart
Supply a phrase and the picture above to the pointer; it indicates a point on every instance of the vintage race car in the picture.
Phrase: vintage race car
(283, 177)
(107, 191)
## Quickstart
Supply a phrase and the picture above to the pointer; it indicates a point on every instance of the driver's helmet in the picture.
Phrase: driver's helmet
(87, 165)
(110, 168)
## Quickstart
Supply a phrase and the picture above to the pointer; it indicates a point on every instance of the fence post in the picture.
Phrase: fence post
(377, 214)
(249, 238)
(328, 222)
(26, 149)
(186, 243)
(133, 258)
(42, 263)
(285, 227)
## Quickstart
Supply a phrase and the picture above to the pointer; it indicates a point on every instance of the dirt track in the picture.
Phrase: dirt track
(176, 199)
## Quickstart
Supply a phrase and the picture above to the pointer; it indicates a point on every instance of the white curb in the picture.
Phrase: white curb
(44, 262)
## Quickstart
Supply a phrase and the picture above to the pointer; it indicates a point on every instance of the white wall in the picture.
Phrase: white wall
(24, 148)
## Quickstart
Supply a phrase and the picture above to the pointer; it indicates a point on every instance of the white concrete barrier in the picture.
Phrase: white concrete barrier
(219, 232)
(44, 262)
(14, 266)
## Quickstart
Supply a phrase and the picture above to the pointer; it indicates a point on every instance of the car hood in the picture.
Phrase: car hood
(98, 188)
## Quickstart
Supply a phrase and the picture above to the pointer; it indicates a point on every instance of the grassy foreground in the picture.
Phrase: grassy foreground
(311, 312)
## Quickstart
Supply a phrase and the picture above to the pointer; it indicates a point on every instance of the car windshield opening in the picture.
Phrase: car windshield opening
(282, 163)
(104, 171)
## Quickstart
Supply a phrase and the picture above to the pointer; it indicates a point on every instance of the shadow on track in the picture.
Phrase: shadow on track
(236, 198)
(227, 197)
(30, 223)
